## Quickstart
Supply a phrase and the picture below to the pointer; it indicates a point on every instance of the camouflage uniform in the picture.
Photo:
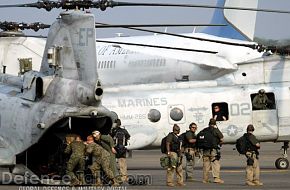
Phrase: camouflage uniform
(107, 142)
(77, 158)
(261, 101)
(102, 160)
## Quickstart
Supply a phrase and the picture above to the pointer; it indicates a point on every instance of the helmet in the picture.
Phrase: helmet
(261, 91)
(250, 127)
(176, 128)
(212, 121)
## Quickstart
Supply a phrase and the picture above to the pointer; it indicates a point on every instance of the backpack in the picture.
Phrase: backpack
(119, 136)
(182, 138)
(164, 161)
(163, 145)
(174, 146)
(242, 144)
(205, 139)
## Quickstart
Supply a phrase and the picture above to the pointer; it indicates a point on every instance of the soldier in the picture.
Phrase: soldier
(253, 167)
(77, 158)
(107, 142)
(102, 160)
(173, 148)
(211, 155)
(261, 101)
(121, 137)
(190, 150)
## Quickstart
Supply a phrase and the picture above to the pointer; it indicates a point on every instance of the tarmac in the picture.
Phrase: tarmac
(145, 164)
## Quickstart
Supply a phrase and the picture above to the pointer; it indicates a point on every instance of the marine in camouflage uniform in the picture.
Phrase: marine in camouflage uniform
(261, 101)
(107, 142)
(102, 160)
(77, 159)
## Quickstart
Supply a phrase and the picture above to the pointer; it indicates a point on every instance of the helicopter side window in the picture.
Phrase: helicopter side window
(220, 111)
(263, 100)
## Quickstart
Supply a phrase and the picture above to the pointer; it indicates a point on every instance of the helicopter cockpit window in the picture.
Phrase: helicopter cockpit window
(263, 100)
(220, 111)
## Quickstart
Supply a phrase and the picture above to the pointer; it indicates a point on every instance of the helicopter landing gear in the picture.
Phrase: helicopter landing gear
(283, 163)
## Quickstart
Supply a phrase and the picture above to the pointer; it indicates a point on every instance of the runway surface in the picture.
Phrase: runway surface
(145, 164)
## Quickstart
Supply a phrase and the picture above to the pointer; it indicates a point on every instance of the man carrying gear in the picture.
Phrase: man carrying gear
(121, 137)
(208, 140)
(253, 166)
(173, 147)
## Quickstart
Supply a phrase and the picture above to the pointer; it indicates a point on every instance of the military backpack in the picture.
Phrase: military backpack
(205, 139)
(243, 144)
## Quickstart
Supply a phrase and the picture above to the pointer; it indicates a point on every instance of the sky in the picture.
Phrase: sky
(269, 25)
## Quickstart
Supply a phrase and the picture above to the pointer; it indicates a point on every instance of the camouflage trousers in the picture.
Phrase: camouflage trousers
(253, 171)
(104, 163)
(72, 164)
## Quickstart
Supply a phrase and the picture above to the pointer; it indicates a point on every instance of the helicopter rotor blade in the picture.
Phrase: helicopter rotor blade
(252, 45)
(104, 4)
(15, 26)
(102, 25)
(112, 4)
(155, 46)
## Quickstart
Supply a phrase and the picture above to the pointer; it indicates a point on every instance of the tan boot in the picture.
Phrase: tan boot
(180, 184)
(170, 184)
(205, 181)
(218, 180)
(258, 183)
(249, 183)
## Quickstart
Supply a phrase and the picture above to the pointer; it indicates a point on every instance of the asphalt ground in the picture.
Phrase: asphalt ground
(145, 165)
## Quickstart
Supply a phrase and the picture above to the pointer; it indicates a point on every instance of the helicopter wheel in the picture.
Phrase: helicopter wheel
(282, 163)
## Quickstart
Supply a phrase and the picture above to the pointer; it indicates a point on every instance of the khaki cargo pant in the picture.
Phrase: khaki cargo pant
(210, 162)
(253, 172)
(189, 168)
(123, 168)
(171, 170)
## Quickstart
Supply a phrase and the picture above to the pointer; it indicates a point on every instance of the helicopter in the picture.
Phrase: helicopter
(40, 108)
(144, 64)
(56, 65)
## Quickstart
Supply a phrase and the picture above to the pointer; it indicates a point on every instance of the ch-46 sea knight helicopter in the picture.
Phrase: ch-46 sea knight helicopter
(152, 58)
(40, 108)
(149, 108)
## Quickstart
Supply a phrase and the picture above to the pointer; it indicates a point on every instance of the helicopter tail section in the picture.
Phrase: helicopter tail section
(70, 50)
(240, 24)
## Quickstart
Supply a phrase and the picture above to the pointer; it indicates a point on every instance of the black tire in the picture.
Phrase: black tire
(282, 163)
